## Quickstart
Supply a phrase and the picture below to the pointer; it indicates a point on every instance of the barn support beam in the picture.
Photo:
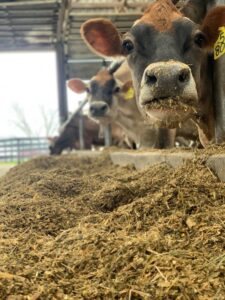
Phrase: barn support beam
(61, 60)
(61, 76)
(31, 3)
(219, 92)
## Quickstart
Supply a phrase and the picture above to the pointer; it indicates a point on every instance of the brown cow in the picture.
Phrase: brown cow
(169, 57)
(111, 101)
(196, 9)
(69, 135)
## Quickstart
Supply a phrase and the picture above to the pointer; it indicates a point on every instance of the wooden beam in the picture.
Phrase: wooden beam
(106, 14)
(109, 4)
(30, 18)
(17, 47)
(27, 27)
(29, 3)
(61, 20)
(66, 18)
(28, 12)
(29, 40)
(25, 32)
(22, 22)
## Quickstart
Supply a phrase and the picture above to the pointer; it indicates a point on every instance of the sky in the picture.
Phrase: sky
(28, 90)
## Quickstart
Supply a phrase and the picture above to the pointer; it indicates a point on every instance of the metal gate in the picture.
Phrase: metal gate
(21, 149)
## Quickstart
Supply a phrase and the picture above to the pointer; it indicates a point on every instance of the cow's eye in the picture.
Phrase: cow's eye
(200, 39)
(128, 46)
(117, 89)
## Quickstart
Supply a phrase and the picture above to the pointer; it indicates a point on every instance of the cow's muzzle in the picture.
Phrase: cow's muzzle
(166, 80)
(168, 92)
(98, 109)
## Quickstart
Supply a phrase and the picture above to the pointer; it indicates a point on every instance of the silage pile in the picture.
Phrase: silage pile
(73, 228)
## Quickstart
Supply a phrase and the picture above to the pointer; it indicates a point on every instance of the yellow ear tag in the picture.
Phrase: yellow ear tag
(219, 47)
(129, 95)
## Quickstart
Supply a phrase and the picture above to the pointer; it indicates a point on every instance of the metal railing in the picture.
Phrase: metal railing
(21, 149)
(79, 113)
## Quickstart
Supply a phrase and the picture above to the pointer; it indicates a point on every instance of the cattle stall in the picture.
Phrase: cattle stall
(118, 215)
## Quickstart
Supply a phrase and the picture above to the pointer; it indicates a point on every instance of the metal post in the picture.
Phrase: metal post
(18, 151)
(81, 131)
(62, 94)
(108, 135)
(219, 96)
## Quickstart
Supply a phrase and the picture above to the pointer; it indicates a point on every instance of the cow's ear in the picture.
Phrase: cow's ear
(128, 91)
(102, 37)
(211, 24)
(77, 85)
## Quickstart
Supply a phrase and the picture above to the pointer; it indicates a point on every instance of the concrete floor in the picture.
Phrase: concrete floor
(4, 169)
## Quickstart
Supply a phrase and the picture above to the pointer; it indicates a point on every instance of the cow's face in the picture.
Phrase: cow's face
(166, 68)
(54, 147)
(101, 91)
(166, 53)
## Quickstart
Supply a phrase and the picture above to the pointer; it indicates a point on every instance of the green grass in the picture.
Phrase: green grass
(9, 163)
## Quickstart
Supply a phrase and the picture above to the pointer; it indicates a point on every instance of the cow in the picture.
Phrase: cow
(196, 9)
(69, 135)
(113, 102)
(93, 135)
(170, 59)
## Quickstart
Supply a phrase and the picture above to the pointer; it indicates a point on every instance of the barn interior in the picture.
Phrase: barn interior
(110, 223)
(52, 24)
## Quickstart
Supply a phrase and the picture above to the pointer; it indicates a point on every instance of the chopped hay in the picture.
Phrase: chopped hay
(173, 104)
(75, 228)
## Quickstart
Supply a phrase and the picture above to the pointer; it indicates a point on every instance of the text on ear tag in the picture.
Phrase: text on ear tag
(129, 94)
(219, 47)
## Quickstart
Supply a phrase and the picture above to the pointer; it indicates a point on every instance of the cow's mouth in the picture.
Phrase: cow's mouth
(170, 104)
(104, 120)
(168, 112)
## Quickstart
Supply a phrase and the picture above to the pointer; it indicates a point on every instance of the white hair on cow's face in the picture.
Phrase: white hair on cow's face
(186, 18)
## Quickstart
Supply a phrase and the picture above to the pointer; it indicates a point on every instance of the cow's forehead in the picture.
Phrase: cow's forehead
(102, 77)
(180, 28)
(160, 14)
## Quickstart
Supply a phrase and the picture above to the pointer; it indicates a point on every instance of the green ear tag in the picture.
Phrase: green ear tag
(129, 95)
(219, 47)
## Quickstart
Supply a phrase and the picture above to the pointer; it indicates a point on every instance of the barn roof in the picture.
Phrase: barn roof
(42, 24)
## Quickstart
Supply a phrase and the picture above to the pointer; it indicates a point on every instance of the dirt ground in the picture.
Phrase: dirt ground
(81, 228)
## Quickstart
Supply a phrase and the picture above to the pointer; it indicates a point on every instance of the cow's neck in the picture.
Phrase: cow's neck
(129, 118)
(205, 119)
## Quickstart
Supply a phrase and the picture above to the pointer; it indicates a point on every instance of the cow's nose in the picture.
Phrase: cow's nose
(183, 76)
(173, 75)
(98, 109)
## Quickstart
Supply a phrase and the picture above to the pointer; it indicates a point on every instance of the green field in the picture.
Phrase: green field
(10, 163)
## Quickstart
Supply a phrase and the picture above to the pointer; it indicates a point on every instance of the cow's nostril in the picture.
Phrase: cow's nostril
(184, 76)
(151, 79)
(92, 109)
(98, 109)
(103, 108)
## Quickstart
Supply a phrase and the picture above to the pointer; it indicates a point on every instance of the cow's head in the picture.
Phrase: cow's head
(102, 91)
(166, 53)
(54, 147)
